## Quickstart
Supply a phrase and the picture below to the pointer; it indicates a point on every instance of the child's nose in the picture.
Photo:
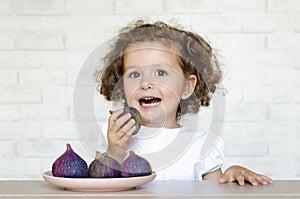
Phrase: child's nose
(147, 82)
(147, 85)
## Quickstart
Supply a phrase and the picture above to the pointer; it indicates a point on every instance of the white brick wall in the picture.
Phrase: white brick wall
(43, 44)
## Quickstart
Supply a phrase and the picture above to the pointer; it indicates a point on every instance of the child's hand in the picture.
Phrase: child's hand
(120, 128)
(241, 174)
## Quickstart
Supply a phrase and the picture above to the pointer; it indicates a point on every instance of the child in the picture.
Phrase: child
(165, 73)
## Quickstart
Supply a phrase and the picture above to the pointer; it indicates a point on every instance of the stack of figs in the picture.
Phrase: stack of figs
(71, 165)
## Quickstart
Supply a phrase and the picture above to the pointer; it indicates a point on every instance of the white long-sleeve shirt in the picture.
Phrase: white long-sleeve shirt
(174, 154)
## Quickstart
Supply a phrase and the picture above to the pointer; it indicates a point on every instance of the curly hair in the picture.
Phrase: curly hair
(196, 57)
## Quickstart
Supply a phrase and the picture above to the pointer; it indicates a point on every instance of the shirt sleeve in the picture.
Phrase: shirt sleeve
(211, 162)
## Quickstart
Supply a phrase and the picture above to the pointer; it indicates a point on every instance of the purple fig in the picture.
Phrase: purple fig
(70, 165)
(104, 167)
(135, 114)
(135, 165)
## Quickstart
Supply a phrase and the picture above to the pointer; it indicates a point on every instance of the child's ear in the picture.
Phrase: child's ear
(189, 87)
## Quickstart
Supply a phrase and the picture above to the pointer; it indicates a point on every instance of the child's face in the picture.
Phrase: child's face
(154, 83)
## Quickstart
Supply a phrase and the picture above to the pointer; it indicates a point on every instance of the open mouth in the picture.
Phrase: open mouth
(149, 101)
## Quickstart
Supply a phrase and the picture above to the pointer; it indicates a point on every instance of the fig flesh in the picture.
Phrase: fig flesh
(69, 165)
(135, 114)
(135, 165)
(104, 167)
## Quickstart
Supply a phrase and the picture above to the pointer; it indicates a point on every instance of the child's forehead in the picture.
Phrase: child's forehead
(155, 45)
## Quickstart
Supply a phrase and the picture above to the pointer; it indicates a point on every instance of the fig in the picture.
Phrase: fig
(135, 165)
(70, 165)
(104, 167)
(135, 114)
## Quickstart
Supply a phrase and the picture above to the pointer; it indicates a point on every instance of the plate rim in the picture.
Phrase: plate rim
(96, 184)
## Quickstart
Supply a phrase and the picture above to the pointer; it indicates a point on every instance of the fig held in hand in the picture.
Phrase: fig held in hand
(135, 165)
(104, 167)
(70, 165)
(135, 114)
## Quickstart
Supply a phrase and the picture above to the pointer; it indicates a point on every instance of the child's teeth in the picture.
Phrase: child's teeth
(152, 104)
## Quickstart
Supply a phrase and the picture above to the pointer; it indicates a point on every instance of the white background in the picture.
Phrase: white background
(43, 44)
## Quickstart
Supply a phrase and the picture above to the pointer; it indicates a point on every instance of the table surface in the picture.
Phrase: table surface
(156, 189)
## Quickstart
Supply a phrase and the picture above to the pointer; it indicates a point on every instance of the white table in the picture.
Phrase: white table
(156, 189)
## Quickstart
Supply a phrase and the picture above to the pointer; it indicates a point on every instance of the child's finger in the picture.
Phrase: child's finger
(252, 180)
(241, 179)
(114, 115)
(264, 180)
(127, 135)
(225, 178)
(127, 126)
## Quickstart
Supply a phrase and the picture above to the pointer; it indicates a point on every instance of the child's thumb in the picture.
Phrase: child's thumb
(224, 179)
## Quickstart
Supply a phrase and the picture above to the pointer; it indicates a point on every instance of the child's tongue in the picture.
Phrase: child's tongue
(149, 101)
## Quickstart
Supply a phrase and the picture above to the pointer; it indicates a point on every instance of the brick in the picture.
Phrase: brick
(19, 59)
(241, 6)
(296, 61)
(282, 79)
(20, 96)
(296, 96)
(42, 77)
(246, 112)
(240, 42)
(72, 76)
(44, 112)
(282, 138)
(63, 59)
(5, 7)
(91, 41)
(7, 41)
(50, 95)
(59, 130)
(43, 148)
(116, 22)
(31, 167)
(90, 7)
(40, 7)
(39, 41)
(285, 113)
(281, 148)
(9, 113)
(138, 7)
(277, 61)
(246, 149)
(14, 130)
(37, 148)
(16, 23)
(295, 78)
(219, 24)
(7, 148)
(280, 95)
(8, 78)
(246, 130)
(267, 24)
(297, 24)
(66, 24)
(283, 42)
(264, 78)
(278, 6)
(190, 6)
(234, 95)
(7, 168)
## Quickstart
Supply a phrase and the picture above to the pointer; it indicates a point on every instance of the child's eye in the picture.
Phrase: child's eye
(161, 73)
(134, 75)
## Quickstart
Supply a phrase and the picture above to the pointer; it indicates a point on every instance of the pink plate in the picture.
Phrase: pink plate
(98, 184)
